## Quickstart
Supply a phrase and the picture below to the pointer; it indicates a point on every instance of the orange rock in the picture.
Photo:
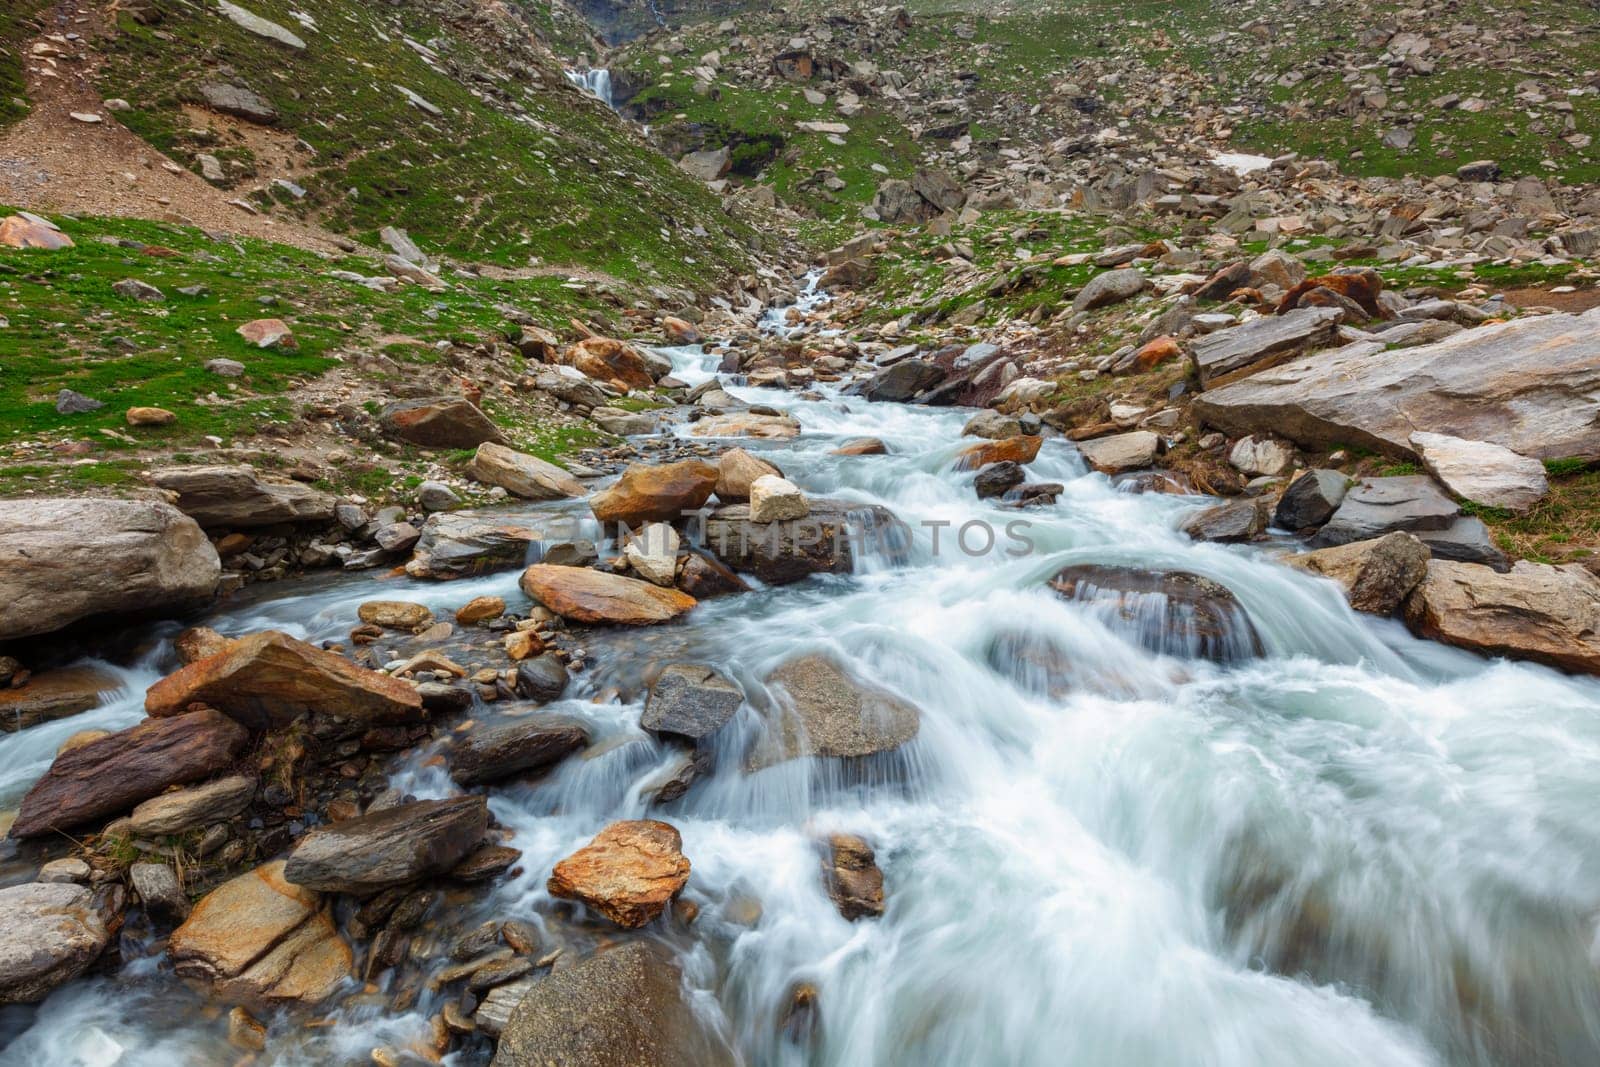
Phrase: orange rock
(523, 644)
(681, 332)
(1021, 449)
(268, 333)
(656, 494)
(1362, 287)
(606, 359)
(198, 642)
(862, 446)
(628, 873)
(1156, 353)
(150, 417)
(480, 609)
(269, 679)
(594, 597)
(19, 232)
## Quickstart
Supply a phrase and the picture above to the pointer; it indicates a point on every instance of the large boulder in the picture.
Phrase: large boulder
(1536, 612)
(1481, 472)
(594, 597)
(1112, 287)
(521, 474)
(823, 711)
(621, 1008)
(108, 776)
(1311, 499)
(897, 202)
(1377, 575)
(66, 560)
(389, 847)
(185, 809)
(1121, 452)
(462, 544)
(736, 470)
(52, 934)
(260, 939)
(826, 541)
(1531, 385)
(1174, 613)
(442, 422)
(690, 700)
(1262, 342)
(903, 381)
(237, 498)
(605, 359)
(628, 873)
(523, 746)
(1235, 520)
(32, 231)
(762, 425)
(1021, 449)
(1376, 506)
(661, 493)
(267, 680)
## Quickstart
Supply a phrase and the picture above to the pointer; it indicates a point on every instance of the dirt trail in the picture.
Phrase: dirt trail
(51, 161)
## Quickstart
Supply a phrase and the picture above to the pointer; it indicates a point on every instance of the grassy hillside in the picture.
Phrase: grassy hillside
(15, 29)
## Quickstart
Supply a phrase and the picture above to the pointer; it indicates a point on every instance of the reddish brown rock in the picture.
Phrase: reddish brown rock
(605, 359)
(268, 679)
(656, 494)
(108, 776)
(447, 422)
(268, 333)
(862, 446)
(1362, 288)
(736, 469)
(1155, 353)
(681, 332)
(1020, 449)
(850, 872)
(198, 642)
(605, 599)
(628, 873)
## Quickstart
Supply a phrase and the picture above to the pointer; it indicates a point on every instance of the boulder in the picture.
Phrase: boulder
(998, 479)
(851, 875)
(109, 775)
(597, 598)
(939, 188)
(542, 678)
(1173, 613)
(158, 890)
(570, 386)
(652, 552)
(1258, 456)
(624, 423)
(736, 469)
(704, 577)
(1021, 450)
(1376, 506)
(993, 426)
(463, 544)
(532, 744)
(1531, 385)
(826, 541)
(822, 711)
(1276, 267)
(238, 101)
(149, 417)
(267, 680)
(660, 493)
(605, 359)
(897, 202)
(1481, 472)
(862, 446)
(389, 847)
(66, 560)
(187, 809)
(680, 332)
(1236, 520)
(707, 165)
(1262, 342)
(396, 615)
(480, 609)
(628, 873)
(1537, 612)
(442, 422)
(1377, 575)
(1121, 451)
(1311, 499)
(774, 498)
(267, 333)
(22, 231)
(260, 939)
(522, 475)
(772, 427)
(52, 695)
(197, 642)
(690, 700)
(52, 934)
(1112, 287)
(621, 1008)
(903, 381)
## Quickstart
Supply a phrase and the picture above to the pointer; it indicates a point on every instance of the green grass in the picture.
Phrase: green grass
(15, 30)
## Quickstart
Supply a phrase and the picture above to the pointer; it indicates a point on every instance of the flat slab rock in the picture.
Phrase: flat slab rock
(389, 847)
(597, 598)
(1261, 341)
(534, 743)
(1376, 506)
(53, 695)
(628, 873)
(1121, 452)
(463, 544)
(690, 700)
(1534, 611)
(1531, 385)
(827, 541)
(238, 498)
(1482, 472)
(52, 934)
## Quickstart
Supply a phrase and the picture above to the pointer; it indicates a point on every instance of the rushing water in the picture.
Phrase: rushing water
(1358, 848)
(596, 81)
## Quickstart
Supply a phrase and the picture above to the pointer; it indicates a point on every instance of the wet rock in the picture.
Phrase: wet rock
(268, 679)
(621, 1008)
(998, 479)
(108, 776)
(1531, 385)
(188, 809)
(443, 422)
(391, 847)
(66, 560)
(1481, 472)
(1376, 506)
(542, 679)
(522, 475)
(158, 890)
(826, 541)
(1262, 342)
(52, 934)
(1112, 287)
(198, 642)
(736, 469)
(480, 609)
(485, 863)
(464, 544)
(396, 615)
(862, 446)
(850, 873)
(767, 426)
(660, 493)
(1021, 449)
(690, 700)
(1537, 612)
(822, 711)
(606, 359)
(1173, 613)
(524, 746)
(1236, 520)
(598, 598)
(1311, 499)
(1377, 575)
(1121, 451)
(903, 381)
(703, 578)
(260, 939)
(52, 695)
(628, 873)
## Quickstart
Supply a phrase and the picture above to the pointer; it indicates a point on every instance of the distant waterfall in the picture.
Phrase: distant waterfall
(594, 81)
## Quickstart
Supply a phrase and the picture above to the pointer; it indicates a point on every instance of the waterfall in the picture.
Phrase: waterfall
(596, 81)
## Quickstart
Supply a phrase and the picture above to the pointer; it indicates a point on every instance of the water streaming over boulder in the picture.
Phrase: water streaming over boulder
(596, 81)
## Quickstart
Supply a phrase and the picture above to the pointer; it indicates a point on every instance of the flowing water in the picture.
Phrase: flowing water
(596, 81)
(1355, 848)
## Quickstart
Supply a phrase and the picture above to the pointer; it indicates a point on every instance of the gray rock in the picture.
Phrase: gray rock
(237, 498)
(1466, 540)
(249, 20)
(186, 809)
(457, 544)
(938, 188)
(1112, 287)
(1311, 499)
(226, 368)
(1236, 520)
(1264, 341)
(826, 541)
(1173, 613)
(238, 101)
(823, 711)
(532, 744)
(437, 496)
(134, 289)
(1376, 506)
(624, 423)
(1121, 451)
(159, 890)
(690, 700)
(543, 678)
(51, 935)
(992, 425)
(1536, 612)
(69, 402)
(443, 422)
(897, 202)
(1482, 472)
(708, 165)
(903, 381)
(998, 479)
(393, 847)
